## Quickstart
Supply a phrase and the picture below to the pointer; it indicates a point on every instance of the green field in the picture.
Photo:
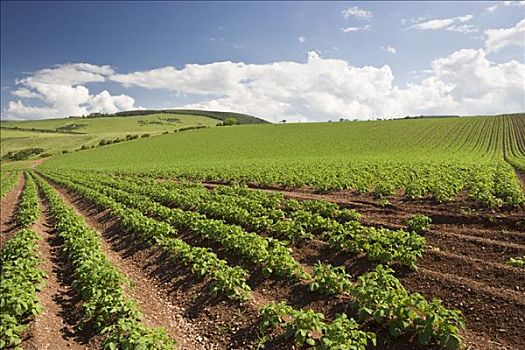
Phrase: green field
(57, 135)
(437, 157)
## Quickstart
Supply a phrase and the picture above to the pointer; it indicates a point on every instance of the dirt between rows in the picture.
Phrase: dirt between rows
(8, 207)
(57, 327)
(464, 264)
(494, 312)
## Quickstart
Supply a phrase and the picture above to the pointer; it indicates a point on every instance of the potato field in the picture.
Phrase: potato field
(406, 234)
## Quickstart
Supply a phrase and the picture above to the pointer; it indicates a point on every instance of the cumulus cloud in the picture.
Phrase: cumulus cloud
(496, 39)
(63, 92)
(301, 39)
(493, 8)
(355, 29)
(450, 24)
(356, 12)
(465, 82)
(389, 49)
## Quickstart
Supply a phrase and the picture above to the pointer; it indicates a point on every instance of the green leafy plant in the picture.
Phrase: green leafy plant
(20, 280)
(419, 223)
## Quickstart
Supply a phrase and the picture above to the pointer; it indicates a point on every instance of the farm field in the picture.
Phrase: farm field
(69, 134)
(441, 158)
(336, 235)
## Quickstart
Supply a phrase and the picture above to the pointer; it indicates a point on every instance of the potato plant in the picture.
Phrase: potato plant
(231, 281)
(380, 296)
(308, 328)
(28, 210)
(101, 286)
(20, 280)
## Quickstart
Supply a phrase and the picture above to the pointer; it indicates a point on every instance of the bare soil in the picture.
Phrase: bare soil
(57, 326)
(464, 264)
(8, 211)
(147, 269)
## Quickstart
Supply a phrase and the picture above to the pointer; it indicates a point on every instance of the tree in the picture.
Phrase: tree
(230, 121)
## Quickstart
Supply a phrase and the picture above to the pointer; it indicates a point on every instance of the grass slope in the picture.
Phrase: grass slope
(472, 139)
(89, 131)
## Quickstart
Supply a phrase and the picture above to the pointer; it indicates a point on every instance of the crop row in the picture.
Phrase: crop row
(228, 280)
(100, 284)
(379, 293)
(270, 254)
(442, 181)
(332, 338)
(380, 244)
(21, 276)
(8, 182)
(28, 210)
(20, 280)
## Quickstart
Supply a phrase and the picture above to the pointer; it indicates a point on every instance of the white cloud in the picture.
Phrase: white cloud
(356, 12)
(61, 89)
(450, 24)
(355, 29)
(514, 3)
(19, 111)
(496, 39)
(465, 82)
(301, 39)
(492, 9)
(389, 49)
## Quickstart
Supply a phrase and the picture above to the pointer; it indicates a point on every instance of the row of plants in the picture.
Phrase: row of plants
(21, 278)
(379, 297)
(517, 262)
(106, 306)
(226, 279)
(379, 244)
(21, 275)
(271, 254)
(382, 296)
(8, 182)
(28, 211)
(303, 219)
(307, 327)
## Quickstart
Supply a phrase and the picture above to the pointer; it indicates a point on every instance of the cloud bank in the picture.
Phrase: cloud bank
(464, 82)
(62, 91)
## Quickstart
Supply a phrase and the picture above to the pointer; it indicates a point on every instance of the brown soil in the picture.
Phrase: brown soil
(465, 270)
(464, 264)
(56, 326)
(150, 292)
(8, 212)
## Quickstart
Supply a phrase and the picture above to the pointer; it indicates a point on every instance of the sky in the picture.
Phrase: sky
(300, 61)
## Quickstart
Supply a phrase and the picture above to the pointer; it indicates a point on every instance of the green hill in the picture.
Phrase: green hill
(241, 118)
(67, 134)
(439, 155)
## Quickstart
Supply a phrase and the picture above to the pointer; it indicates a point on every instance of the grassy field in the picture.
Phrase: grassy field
(89, 131)
(423, 156)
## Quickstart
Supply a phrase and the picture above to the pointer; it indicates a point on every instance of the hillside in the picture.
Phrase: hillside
(359, 155)
(68, 134)
(241, 118)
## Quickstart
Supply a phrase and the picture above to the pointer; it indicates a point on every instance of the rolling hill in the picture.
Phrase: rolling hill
(67, 134)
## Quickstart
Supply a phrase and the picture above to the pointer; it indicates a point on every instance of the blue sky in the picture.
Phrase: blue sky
(299, 60)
